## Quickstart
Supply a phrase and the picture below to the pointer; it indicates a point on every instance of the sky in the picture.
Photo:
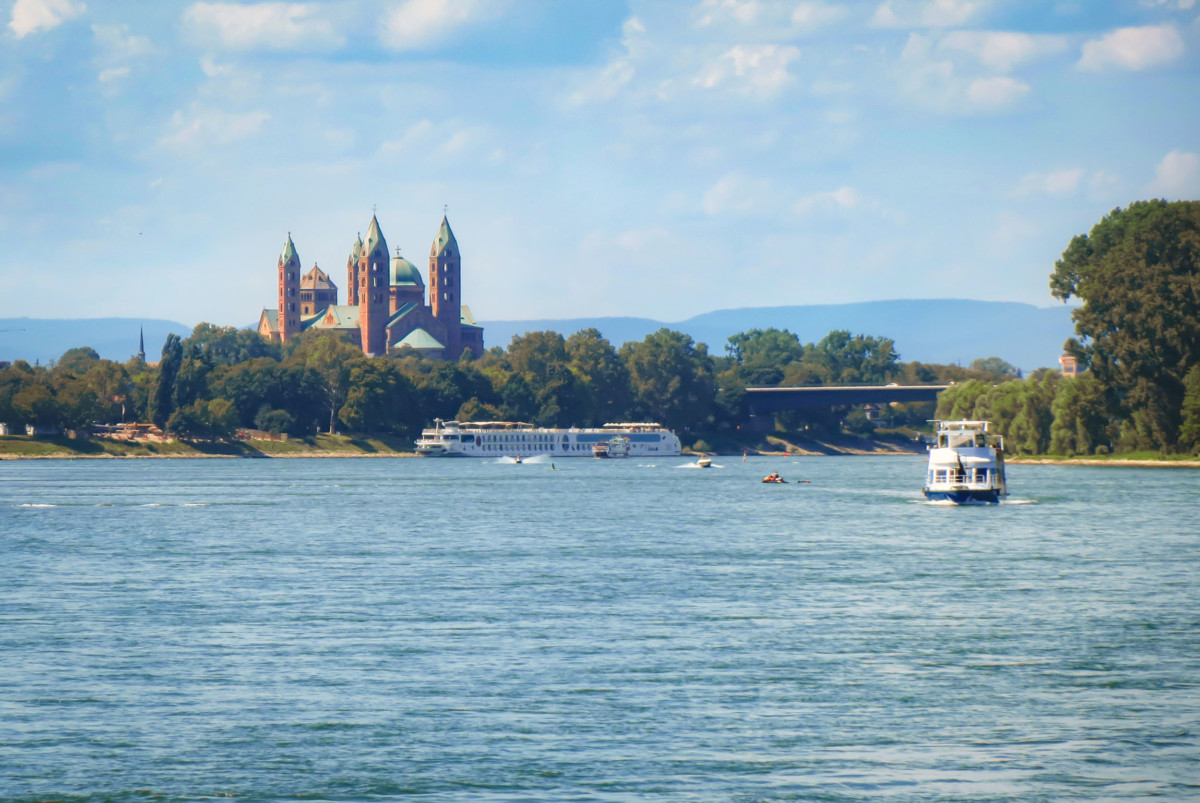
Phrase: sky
(595, 158)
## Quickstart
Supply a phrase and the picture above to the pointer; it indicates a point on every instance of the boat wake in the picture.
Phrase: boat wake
(697, 465)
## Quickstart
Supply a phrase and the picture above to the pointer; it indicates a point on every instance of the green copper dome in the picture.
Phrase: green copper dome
(404, 272)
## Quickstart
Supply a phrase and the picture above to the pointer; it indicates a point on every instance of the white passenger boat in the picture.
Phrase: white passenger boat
(966, 464)
(617, 446)
(518, 439)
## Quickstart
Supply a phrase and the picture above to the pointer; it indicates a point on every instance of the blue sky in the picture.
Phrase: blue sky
(658, 159)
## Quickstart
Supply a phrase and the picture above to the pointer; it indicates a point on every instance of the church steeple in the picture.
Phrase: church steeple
(444, 239)
(373, 295)
(352, 272)
(289, 290)
(445, 299)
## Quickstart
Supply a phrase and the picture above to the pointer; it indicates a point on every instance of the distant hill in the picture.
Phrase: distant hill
(945, 331)
(45, 339)
(928, 330)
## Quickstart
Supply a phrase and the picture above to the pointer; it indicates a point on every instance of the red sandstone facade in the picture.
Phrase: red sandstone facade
(385, 307)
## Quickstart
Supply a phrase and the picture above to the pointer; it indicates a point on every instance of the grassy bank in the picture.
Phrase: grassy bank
(20, 446)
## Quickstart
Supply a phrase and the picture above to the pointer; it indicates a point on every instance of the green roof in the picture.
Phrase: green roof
(420, 339)
(445, 238)
(375, 241)
(335, 316)
(289, 252)
(356, 252)
(404, 272)
(401, 312)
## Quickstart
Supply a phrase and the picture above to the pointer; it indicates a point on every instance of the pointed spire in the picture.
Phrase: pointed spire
(445, 238)
(289, 251)
(141, 344)
(374, 238)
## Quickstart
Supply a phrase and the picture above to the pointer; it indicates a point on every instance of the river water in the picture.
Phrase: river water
(436, 630)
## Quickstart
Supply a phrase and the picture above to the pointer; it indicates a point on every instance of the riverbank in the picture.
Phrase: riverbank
(17, 447)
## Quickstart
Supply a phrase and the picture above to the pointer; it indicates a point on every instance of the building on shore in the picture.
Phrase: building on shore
(385, 305)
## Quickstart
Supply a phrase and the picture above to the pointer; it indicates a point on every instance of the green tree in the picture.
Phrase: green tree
(331, 359)
(381, 399)
(603, 378)
(764, 348)
(77, 361)
(1138, 274)
(995, 365)
(162, 401)
(672, 379)
(1189, 430)
(1080, 416)
(273, 421)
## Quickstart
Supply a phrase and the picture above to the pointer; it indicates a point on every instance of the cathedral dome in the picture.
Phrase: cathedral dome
(404, 272)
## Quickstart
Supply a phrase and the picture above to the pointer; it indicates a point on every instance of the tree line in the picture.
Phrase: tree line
(1137, 273)
(1137, 344)
(220, 378)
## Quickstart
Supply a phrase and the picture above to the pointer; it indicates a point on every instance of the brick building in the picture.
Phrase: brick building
(385, 299)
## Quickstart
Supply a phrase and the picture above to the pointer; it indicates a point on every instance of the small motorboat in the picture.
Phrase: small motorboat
(704, 462)
(774, 477)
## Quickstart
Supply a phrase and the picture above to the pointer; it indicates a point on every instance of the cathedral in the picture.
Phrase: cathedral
(385, 300)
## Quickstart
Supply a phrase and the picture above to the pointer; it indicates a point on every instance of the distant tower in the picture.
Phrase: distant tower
(373, 291)
(352, 273)
(445, 270)
(141, 355)
(289, 291)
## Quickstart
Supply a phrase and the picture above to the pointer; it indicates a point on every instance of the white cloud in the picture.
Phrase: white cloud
(202, 128)
(761, 69)
(717, 11)
(1059, 182)
(841, 198)
(1132, 48)
(116, 46)
(1182, 5)
(113, 74)
(418, 24)
(1177, 177)
(1002, 50)
(814, 15)
(261, 26)
(618, 73)
(995, 93)
(605, 86)
(926, 13)
(736, 194)
(29, 16)
(933, 81)
(214, 70)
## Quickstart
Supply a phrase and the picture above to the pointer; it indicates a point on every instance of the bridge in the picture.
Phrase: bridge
(764, 401)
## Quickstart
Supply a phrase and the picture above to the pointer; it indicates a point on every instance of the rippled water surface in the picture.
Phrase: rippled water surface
(594, 631)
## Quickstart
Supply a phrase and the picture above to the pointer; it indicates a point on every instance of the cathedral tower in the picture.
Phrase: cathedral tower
(289, 291)
(445, 270)
(352, 273)
(373, 291)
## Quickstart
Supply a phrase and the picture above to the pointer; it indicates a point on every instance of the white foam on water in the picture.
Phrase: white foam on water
(194, 504)
(36, 505)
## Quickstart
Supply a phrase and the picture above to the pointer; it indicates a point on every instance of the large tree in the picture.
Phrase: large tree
(672, 379)
(1138, 274)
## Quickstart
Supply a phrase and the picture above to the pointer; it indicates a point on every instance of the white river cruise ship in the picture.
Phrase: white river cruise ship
(517, 439)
